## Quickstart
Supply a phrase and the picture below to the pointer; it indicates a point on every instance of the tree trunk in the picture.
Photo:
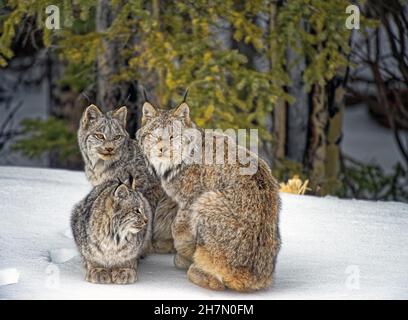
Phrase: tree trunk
(324, 137)
(317, 139)
(111, 95)
(106, 94)
(279, 111)
(334, 135)
(298, 111)
(161, 76)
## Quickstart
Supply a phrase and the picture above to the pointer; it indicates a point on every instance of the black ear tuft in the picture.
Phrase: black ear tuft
(130, 180)
(185, 96)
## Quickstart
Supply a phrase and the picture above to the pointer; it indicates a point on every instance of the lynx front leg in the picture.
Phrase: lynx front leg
(164, 216)
(184, 240)
(125, 274)
(96, 274)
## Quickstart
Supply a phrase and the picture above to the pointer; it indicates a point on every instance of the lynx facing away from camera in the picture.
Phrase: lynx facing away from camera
(112, 227)
(109, 153)
(226, 229)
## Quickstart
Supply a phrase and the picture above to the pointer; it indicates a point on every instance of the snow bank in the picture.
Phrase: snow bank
(332, 248)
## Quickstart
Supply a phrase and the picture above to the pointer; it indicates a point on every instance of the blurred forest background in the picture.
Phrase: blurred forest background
(330, 103)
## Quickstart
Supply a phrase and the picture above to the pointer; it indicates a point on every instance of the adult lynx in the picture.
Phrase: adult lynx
(226, 229)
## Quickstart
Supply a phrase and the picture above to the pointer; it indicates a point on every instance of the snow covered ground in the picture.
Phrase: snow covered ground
(332, 249)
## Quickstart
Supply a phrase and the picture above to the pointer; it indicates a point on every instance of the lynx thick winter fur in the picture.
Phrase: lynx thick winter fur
(226, 231)
(109, 153)
(112, 227)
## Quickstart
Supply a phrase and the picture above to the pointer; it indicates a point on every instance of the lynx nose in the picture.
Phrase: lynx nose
(162, 150)
(109, 149)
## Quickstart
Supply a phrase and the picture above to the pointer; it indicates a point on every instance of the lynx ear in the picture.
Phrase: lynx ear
(121, 191)
(91, 114)
(120, 114)
(183, 112)
(148, 112)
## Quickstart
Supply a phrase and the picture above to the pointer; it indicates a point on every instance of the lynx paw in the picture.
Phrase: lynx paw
(124, 276)
(204, 279)
(98, 275)
(181, 263)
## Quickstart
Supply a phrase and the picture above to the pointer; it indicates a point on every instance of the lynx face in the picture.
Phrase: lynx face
(167, 137)
(102, 136)
(127, 210)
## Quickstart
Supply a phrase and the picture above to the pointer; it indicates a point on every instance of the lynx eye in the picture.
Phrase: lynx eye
(118, 137)
(99, 136)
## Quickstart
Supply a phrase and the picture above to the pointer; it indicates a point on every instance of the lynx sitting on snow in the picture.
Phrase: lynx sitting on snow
(226, 229)
(112, 228)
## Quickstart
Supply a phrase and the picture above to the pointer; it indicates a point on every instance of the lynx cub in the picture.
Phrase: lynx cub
(226, 229)
(112, 227)
(109, 153)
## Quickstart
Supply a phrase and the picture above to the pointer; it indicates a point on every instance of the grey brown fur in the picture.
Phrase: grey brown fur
(112, 228)
(109, 153)
(226, 231)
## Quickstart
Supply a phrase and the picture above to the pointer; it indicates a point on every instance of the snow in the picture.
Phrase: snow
(332, 248)
(9, 276)
(62, 255)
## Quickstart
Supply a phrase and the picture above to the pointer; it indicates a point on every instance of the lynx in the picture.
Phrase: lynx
(226, 230)
(112, 228)
(110, 153)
